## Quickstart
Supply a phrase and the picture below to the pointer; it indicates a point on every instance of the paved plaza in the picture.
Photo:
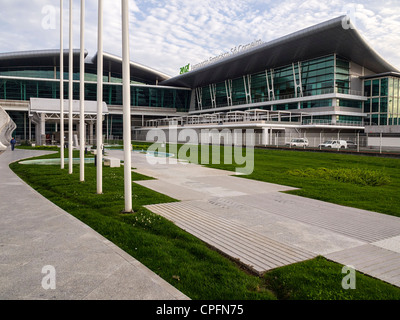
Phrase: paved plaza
(35, 233)
(259, 225)
(253, 222)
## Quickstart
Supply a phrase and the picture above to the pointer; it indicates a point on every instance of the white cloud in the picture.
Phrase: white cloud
(166, 35)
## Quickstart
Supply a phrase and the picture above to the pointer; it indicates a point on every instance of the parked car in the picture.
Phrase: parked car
(334, 144)
(299, 142)
(351, 145)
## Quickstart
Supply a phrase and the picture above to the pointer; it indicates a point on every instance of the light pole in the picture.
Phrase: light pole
(82, 130)
(126, 106)
(62, 142)
(71, 90)
(99, 127)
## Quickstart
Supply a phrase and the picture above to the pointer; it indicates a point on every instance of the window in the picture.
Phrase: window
(375, 88)
(367, 88)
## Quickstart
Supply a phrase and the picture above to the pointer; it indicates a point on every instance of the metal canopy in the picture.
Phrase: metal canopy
(52, 106)
(320, 40)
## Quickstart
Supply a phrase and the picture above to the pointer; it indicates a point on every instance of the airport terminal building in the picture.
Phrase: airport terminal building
(318, 83)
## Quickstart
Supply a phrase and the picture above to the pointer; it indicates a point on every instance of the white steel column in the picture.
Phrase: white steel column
(213, 95)
(70, 91)
(99, 127)
(270, 87)
(199, 96)
(62, 141)
(247, 88)
(126, 106)
(297, 84)
(228, 88)
(82, 140)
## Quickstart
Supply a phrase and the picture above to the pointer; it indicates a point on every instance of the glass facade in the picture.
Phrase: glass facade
(141, 96)
(382, 106)
(308, 78)
(394, 101)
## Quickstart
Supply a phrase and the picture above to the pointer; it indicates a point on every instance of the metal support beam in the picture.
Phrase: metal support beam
(228, 88)
(247, 88)
(199, 97)
(213, 95)
(270, 86)
(298, 87)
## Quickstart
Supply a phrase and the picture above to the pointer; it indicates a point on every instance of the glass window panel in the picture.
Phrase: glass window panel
(383, 119)
(367, 88)
(367, 106)
(384, 87)
(384, 105)
(375, 105)
(375, 88)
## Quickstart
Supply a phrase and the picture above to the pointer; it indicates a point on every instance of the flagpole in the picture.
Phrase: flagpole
(126, 106)
(71, 90)
(62, 141)
(99, 127)
(82, 130)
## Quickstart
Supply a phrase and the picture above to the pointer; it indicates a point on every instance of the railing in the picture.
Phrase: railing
(330, 122)
(315, 92)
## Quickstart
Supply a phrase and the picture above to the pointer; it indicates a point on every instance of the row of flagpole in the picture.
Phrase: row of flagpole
(99, 126)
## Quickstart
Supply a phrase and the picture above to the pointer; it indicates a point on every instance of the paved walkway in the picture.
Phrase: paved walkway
(251, 221)
(35, 233)
(257, 224)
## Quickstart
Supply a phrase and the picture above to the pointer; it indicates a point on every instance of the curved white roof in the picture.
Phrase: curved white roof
(326, 38)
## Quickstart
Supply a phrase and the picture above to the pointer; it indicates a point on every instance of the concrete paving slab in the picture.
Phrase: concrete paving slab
(292, 232)
(36, 233)
(392, 244)
(372, 260)
(311, 225)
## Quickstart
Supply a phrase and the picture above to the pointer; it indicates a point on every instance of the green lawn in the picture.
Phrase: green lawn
(183, 260)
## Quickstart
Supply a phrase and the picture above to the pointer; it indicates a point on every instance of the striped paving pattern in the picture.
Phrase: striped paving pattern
(355, 223)
(255, 251)
(372, 260)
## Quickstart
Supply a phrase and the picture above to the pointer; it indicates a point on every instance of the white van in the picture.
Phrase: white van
(334, 144)
(299, 142)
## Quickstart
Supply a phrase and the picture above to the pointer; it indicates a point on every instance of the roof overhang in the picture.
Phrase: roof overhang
(385, 74)
(138, 72)
(333, 36)
(37, 58)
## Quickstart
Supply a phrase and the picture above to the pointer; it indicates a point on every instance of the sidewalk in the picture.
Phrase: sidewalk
(35, 233)
(264, 228)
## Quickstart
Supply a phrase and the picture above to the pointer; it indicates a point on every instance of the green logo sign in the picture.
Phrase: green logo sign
(185, 69)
